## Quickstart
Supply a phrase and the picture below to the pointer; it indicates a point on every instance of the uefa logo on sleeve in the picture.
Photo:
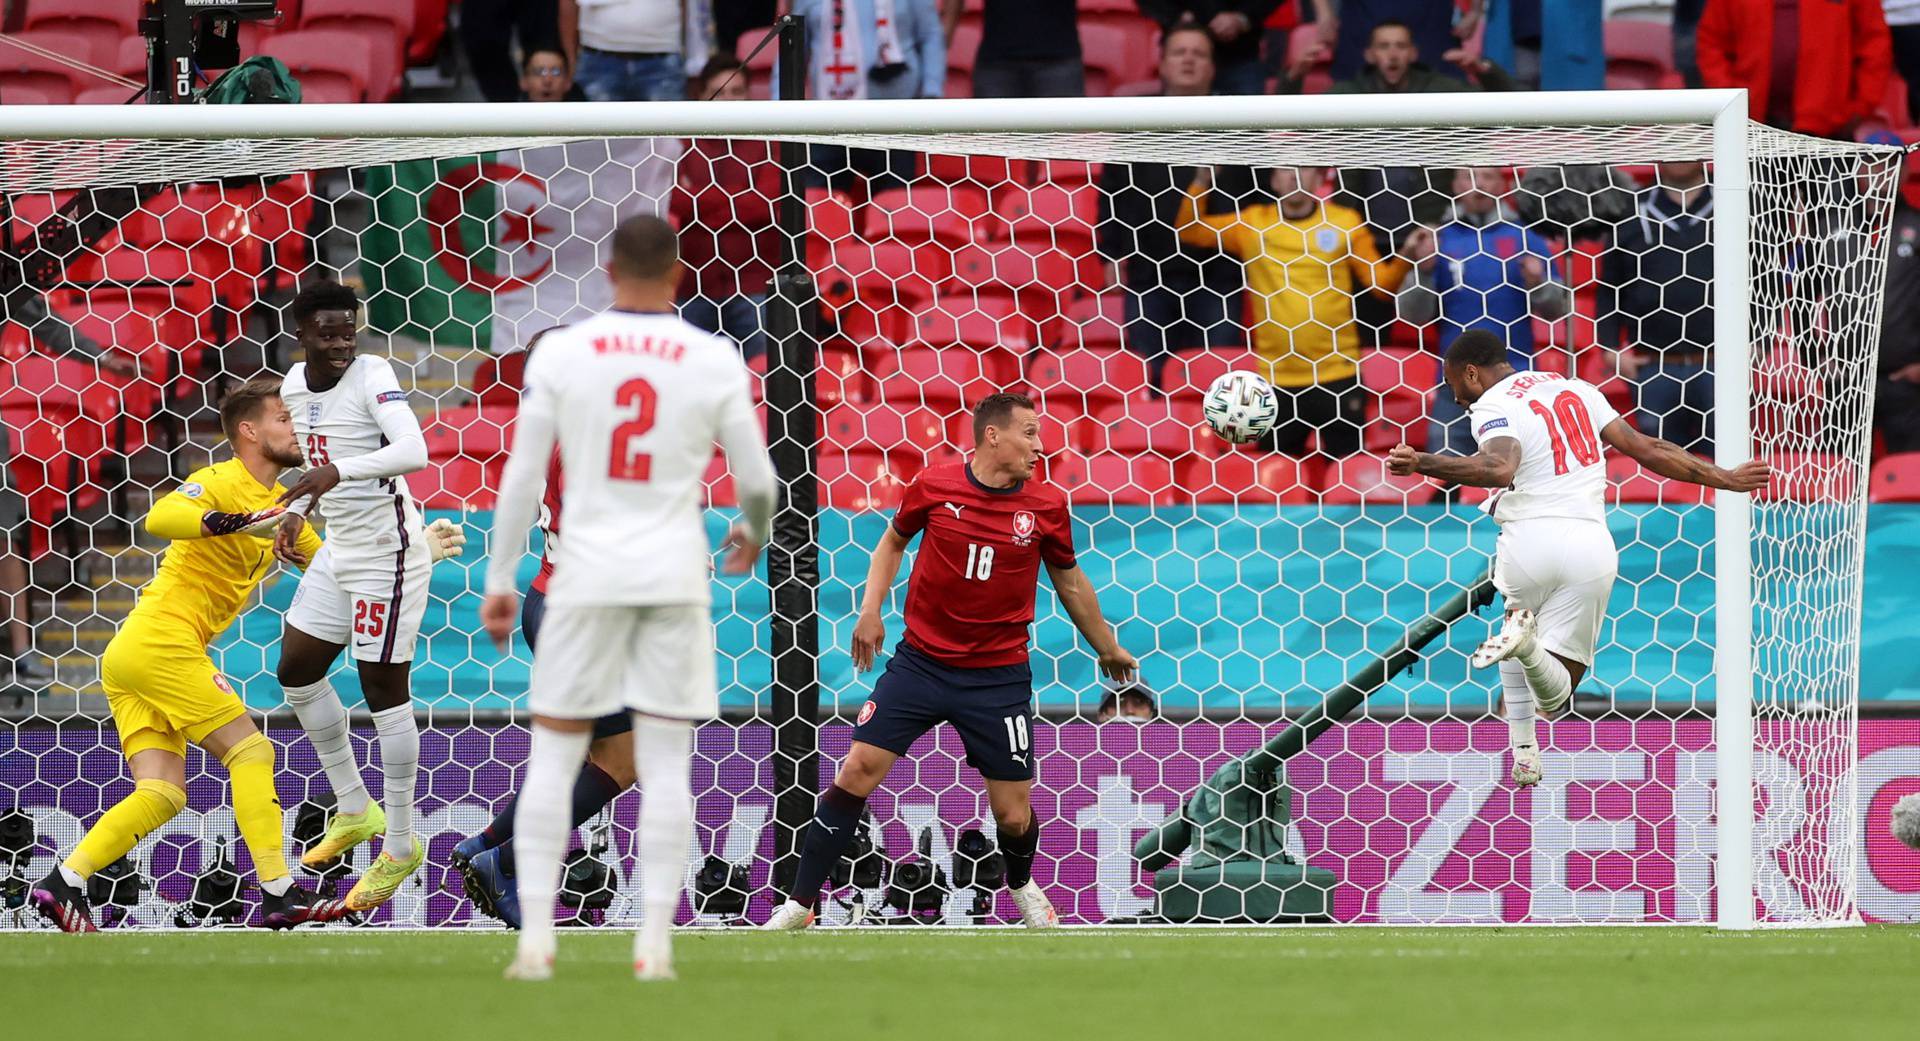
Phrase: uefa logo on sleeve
(866, 713)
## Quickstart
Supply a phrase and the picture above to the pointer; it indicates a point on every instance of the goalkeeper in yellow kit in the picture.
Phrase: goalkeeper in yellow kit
(163, 688)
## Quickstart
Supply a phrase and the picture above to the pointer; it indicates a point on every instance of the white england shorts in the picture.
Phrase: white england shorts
(598, 659)
(371, 602)
(1562, 570)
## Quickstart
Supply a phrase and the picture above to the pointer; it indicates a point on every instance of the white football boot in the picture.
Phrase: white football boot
(1036, 911)
(1526, 765)
(789, 916)
(530, 966)
(1514, 640)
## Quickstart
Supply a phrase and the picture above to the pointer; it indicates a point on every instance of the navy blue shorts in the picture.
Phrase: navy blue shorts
(991, 708)
(532, 611)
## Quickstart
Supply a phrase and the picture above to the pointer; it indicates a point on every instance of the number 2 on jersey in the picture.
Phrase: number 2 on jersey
(1573, 431)
(623, 463)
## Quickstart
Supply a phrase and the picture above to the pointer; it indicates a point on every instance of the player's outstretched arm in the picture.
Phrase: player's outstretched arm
(1491, 467)
(1671, 461)
(870, 631)
(1083, 606)
(179, 515)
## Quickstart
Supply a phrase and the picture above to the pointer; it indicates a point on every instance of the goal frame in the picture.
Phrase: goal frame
(1725, 111)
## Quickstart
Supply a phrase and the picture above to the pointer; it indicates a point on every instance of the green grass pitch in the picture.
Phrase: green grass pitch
(1331, 984)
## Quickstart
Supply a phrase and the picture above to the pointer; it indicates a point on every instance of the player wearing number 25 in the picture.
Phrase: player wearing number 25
(1542, 438)
(985, 527)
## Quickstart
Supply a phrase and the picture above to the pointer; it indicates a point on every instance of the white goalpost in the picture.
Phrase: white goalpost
(1707, 775)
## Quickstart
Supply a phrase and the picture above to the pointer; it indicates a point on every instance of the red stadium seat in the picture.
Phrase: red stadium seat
(93, 96)
(1087, 381)
(951, 215)
(1363, 478)
(1896, 478)
(1238, 476)
(24, 94)
(1118, 50)
(830, 219)
(1398, 381)
(1190, 373)
(473, 432)
(872, 291)
(1042, 286)
(1810, 477)
(719, 482)
(945, 381)
(961, 53)
(991, 172)
(1304, 41)
(1094, 321)
(45, 75)
(860, 481)
(984, 325)
(457, 483)
(382, 25)
(332, 63)
(429, 28)
(1108, 478)
(1051, 216)
(102, 23)
(909, 435)
(1628, 482)
(498, 379)
(1157, 426)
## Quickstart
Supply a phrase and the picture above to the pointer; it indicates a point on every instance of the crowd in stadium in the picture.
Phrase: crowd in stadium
(1118, 293)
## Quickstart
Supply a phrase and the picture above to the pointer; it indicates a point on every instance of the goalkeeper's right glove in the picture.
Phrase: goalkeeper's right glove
(444, 539)
(259, 523)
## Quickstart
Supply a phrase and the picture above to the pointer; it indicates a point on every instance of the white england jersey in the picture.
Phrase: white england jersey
(354, 418)
(1563, 466)
(636, 402)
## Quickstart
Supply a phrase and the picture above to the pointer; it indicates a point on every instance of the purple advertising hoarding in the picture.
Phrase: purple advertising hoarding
(1416, 819)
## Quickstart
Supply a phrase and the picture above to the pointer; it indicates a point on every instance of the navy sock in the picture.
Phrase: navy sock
(592, 791)
(1019, 851)
(831, 832)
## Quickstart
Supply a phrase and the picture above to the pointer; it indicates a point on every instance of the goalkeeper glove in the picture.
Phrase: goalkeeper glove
(259, 523)
(444, 539)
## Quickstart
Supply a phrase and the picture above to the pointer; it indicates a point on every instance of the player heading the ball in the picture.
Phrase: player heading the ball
(1542, 438)
(989, 525)
(636, 399)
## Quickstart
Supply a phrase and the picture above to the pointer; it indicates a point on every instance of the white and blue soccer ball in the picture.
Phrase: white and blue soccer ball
(1241, 407)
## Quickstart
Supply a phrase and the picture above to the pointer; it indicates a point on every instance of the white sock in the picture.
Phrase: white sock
(541, 825)
(279, 886)
(72, 877)
(400, 767)
(662, 752)
(1548, 678)
(1518, 698)
(325, 721)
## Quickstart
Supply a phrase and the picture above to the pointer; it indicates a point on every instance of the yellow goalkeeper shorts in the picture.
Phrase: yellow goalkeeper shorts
(163, 694)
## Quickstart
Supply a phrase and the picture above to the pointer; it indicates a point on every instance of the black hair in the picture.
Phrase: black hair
(719, 65)
(1391, 23)
(325, 295)
(545, 47)
(996, 410)
(645, 247)
(1479, 348)
(1113, 699)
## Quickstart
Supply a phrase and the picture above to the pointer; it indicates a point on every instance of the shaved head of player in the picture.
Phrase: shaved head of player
(987, 527)
(1542, 439)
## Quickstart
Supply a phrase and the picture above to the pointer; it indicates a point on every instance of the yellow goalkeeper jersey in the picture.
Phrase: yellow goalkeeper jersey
(203, 583)
(1302, 276)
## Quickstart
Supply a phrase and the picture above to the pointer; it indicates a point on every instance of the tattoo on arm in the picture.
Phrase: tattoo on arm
(1492, 467)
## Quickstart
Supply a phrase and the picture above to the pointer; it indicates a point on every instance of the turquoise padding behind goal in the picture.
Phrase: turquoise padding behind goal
(1228, 609)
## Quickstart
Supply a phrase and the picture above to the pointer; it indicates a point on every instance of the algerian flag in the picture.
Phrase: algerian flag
(484, 251)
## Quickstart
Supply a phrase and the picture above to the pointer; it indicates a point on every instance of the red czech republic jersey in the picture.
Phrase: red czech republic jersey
(970, 597)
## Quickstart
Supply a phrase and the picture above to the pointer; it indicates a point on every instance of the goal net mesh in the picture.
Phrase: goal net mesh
(1250, 581)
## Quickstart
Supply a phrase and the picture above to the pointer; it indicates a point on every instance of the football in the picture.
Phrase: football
(1241, 407)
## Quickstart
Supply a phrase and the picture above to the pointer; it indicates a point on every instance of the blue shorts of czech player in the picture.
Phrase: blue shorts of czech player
(992, 709)
(533, 611)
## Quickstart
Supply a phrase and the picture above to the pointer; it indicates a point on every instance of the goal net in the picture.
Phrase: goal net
(1721, 286)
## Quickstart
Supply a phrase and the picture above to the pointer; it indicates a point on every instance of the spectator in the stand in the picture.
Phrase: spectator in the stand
(1903, 27)
(1236, 29)
(729, 237)
(489, 29)
(1429, 25)
(1394, 67)
(1896, 401)
(544, 77)
(1485, 271)
(1178, 297)
(1656, 309)
(1029, 49)
(1814, 67)
(1549, 44)
(1305, 260)
(26, 669)
(871, 49)
(626, 50)
(1287, 69)
(1133, 703)
(1686, 28)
